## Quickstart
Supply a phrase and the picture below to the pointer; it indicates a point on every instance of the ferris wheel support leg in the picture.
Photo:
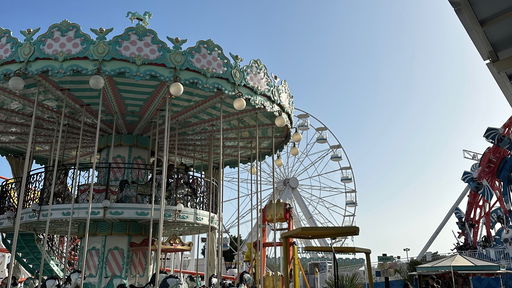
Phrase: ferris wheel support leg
(441, 225)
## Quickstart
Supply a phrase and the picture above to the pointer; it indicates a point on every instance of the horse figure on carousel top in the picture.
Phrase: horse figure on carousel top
(143, 19)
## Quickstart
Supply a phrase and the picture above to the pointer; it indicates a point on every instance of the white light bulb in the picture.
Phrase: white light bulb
(96, 82)
(280, 121)
(239, 103)
(279, 162)
(294, 151)
(16, 83)
(176, 89)
(296, 137)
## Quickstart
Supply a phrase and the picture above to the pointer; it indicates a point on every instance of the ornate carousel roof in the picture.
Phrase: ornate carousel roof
(137, 67)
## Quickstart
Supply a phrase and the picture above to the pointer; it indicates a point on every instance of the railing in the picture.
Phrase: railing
(62, 251)
(499, 256)
(116, 182)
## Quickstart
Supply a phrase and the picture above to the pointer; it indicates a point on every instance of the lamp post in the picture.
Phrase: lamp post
(407, 253)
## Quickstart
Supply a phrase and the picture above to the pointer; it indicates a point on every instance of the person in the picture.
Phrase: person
(432, 281)
(407, 284)
(438, 283)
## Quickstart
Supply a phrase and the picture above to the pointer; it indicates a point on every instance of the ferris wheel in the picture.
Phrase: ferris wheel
(312, 173)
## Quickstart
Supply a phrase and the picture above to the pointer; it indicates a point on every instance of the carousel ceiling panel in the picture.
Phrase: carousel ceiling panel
(138, 67)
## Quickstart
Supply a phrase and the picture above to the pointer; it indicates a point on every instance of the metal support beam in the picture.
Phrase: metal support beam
(441, 225)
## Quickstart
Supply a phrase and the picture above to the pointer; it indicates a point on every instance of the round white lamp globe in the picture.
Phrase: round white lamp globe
(280, 121)
(16, 83)
(279, 161)
(296, 137)
(294, 151)
(96, 82)
(239, 103)
(176, 89)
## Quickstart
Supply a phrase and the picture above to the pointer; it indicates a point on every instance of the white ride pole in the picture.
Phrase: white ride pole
(153, 191)
(74, 189)
(163, 192)
(52, 192)
(22, 192)
(91, 190)
(238, 205)
(220, 195)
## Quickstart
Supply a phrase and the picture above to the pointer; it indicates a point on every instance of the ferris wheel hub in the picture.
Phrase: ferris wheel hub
(291, 182)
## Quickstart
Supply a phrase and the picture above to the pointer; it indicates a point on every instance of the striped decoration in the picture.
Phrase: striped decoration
(138, 263)
(92, 262)
(486, 191)
(117, 171)
(115, 262)
(458, 213)
(492, 134)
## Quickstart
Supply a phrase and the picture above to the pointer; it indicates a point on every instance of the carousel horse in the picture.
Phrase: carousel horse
(52, 282)
(31, 282)
(213, 280)
(14, 282)
(116, 282)
(152, 280)
(245, 280)
(224, 283)
(171, 281)
(190, 282)
(73, 279)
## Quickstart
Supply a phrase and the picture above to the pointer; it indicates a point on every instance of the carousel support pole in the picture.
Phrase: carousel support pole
(210, 236)
(163, 191)
(65, 143)
(153, 192)
(251, 234)
(197, 257)
(52, 193)
(181, 266)
(22, 191)
(238, 205)
(275, 207)
(259, 259)
(110, 156)
(91, 189)
(74, 187)
(52, 149)
(220, 194)
(112, 142)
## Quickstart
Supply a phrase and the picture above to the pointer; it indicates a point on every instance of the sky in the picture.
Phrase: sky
(398, 82)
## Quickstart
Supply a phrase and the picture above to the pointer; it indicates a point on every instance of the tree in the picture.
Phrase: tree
(346, 280)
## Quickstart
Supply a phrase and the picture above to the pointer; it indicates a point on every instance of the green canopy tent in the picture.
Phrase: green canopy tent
(458, 263)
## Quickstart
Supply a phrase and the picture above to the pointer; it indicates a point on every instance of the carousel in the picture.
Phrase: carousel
(118, 147)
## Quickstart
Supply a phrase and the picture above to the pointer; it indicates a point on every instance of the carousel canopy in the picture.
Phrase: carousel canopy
(138, 68)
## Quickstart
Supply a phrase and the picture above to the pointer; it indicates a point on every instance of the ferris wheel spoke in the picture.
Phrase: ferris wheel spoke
(269, 166)
(233, 219)
(246, 195)
(328, 189)
(322, 199)
(325, 173)
(311, 163)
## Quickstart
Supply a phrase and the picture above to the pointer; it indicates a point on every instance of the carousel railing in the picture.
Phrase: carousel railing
(116, 182)
(64, 252)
